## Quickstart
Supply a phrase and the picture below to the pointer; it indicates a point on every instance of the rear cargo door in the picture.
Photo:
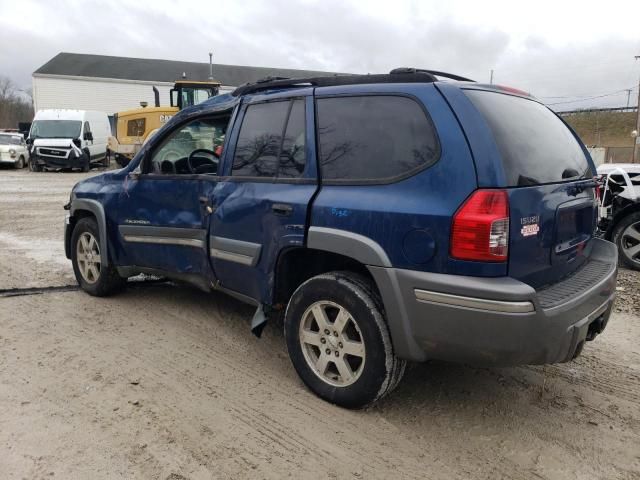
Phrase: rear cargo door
(548, 177)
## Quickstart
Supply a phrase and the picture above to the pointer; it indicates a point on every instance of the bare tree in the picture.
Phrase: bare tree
(14, 108)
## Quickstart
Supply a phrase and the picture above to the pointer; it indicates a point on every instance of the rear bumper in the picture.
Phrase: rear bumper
(498, 321)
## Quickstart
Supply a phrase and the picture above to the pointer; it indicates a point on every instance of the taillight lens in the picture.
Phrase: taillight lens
(481, 227)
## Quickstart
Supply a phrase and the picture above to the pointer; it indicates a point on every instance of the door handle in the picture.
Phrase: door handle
(282, 209)
(208, 208)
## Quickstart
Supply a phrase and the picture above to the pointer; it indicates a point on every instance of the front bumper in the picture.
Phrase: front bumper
(70, 161)
(5, 159)
(499, 321)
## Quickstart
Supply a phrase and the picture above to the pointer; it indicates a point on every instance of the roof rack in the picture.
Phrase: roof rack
(329, 81)
(398, 75)
(411, 70)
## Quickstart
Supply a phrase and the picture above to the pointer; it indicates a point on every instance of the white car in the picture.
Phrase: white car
(620, 209)
(13, 150)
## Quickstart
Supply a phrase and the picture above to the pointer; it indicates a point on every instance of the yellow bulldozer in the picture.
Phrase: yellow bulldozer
(135, 127)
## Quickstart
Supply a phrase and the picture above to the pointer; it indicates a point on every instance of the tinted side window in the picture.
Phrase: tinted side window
(260, 139)
(292, 154)
(373, 138)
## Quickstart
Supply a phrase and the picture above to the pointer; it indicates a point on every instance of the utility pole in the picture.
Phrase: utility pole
(635, 159)
(491, 78)
(628, 96)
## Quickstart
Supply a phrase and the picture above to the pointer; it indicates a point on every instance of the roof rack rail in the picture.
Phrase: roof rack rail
(271, 79)
(422, 76)
(411, 70)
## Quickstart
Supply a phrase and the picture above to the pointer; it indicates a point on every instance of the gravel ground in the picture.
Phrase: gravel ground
(164, 382)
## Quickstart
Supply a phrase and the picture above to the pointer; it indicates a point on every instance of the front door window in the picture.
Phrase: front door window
(194, 148)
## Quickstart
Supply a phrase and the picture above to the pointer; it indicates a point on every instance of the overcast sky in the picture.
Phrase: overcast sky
(557, 51)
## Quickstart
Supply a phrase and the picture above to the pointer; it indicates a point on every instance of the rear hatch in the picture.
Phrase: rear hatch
(548, 178)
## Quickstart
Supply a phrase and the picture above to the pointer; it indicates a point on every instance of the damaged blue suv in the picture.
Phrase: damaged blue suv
(388, 218)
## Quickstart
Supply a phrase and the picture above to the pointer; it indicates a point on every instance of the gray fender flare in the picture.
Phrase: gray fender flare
(349, 244)
(375, 259)
(96, 208)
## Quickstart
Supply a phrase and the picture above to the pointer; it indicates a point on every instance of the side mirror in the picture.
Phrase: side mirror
(29, 141)
(135, 173)
(88, 136)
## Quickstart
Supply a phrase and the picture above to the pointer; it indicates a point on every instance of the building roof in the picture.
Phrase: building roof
(153, 70)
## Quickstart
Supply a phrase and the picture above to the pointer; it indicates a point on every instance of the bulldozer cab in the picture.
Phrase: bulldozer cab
(187, 93)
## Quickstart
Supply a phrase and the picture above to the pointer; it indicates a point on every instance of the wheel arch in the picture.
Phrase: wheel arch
(332, 249)
(296, 265)
(84, 207)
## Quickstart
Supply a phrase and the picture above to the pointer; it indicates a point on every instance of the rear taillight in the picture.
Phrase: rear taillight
(481, 227)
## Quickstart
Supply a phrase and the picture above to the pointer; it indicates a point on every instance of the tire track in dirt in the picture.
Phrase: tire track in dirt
(599, 375)
(265, 411)
(232, 382)
(315, 413)
(281, 437)
(277, 433)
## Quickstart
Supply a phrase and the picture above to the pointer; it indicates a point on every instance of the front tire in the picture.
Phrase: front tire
(20, 163)
(338, 340)
(626, 236)
(92, 276)
(33, 166)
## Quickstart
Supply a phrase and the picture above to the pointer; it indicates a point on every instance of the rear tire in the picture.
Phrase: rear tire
(626, 236)
(353, 365)
(93, 277)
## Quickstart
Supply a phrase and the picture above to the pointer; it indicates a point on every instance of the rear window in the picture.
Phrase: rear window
(374, 138)
(535, 145)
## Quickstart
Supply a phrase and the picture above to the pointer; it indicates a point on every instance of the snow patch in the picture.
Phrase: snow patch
(42, 251)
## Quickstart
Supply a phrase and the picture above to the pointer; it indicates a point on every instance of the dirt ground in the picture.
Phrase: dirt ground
(165, 382)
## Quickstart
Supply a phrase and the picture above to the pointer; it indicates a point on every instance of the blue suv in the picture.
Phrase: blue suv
(387, 218)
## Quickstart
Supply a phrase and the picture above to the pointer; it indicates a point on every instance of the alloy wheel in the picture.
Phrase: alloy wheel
(332, 343)
(88, 257)
(630, 242)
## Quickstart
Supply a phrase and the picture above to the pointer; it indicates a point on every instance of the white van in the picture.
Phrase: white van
(69, 139)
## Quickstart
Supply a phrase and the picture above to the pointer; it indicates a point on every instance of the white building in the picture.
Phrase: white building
(113, 84)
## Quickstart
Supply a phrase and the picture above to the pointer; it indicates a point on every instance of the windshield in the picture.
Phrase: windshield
(535, 145)
(56, 129)
(9, 140)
